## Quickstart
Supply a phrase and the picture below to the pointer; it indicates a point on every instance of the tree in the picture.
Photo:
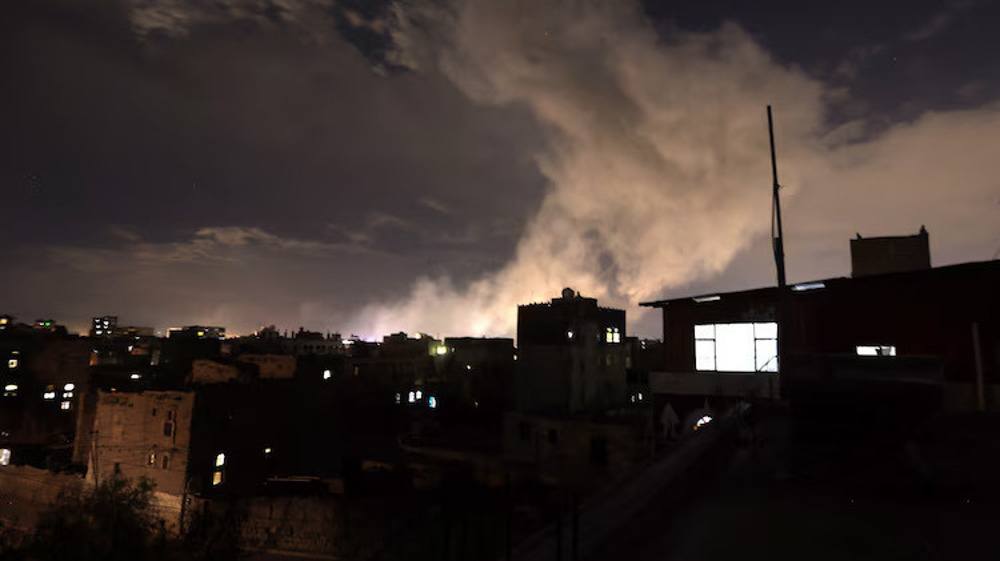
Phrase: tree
(113, 520)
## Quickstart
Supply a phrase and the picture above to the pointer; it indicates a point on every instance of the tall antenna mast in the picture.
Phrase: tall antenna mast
(776, 236)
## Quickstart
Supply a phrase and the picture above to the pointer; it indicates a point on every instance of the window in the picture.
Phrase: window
(12, 363)
(220, 460)
(524, 431)
(66, 405)
(217, 477)
(736, 347)
(598, 451)
(4, 456)
(165, 462)
(432, 402)
(876, 350)
(327, 374)
(612, 335)
(69, 387)
(154, 411)
(168, 428)
(151, 458)
(411, 397)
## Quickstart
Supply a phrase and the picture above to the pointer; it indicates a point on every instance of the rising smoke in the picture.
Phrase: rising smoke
(656, 154)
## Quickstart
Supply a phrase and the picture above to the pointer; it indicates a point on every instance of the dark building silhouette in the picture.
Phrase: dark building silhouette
(926, 338)
(890, 254)
(571, 355)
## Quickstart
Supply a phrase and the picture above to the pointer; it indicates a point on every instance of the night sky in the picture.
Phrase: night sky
(375, 166)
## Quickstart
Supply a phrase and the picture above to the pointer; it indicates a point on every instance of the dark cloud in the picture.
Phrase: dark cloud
(290, 161)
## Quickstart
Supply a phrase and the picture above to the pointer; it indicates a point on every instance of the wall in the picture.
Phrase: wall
(26, 492)
(129, 427)
(204, 371)
(271, 366)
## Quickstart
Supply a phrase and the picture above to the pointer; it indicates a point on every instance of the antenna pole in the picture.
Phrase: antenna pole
(777, 239)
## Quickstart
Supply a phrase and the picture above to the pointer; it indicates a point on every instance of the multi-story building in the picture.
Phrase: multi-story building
(571, 355)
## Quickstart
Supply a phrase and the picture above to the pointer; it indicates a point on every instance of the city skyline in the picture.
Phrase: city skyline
(380, 167)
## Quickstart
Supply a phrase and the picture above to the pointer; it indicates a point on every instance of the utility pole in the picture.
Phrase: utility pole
(777, 240)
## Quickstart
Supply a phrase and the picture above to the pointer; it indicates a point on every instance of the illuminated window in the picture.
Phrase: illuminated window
(67, 395)
(876, 350)
(49, 395)
(217, 478)
(432, 402)
(612, 335)
(702, 422)
(267, 451)
(69, 387)
(151, 459)
(12, 363)
(569, 335)
(411, 397)
(736, 347)
(65, 406)
(420, 394)
(399, 398)
(135, 376)
(4, 456)
(327, 374)
(220, 460)
(442, 350)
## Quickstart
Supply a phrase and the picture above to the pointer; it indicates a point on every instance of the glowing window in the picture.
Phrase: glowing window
(67, 395)
(267, 451)
(220, 460)
(12, 363)
(442, 350)
(135, 376)
(49, 395)
(69, 387)
(151, 459)
(217, 478)
(411, 397)
(569, 335)
(10, 388)
(876, 350)
(65, 405)
(736, 347)
(612, 335)
(4, 456)
(702, 422)
(399, 398)
(432, 402)
(327, 374)
(420, 394)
